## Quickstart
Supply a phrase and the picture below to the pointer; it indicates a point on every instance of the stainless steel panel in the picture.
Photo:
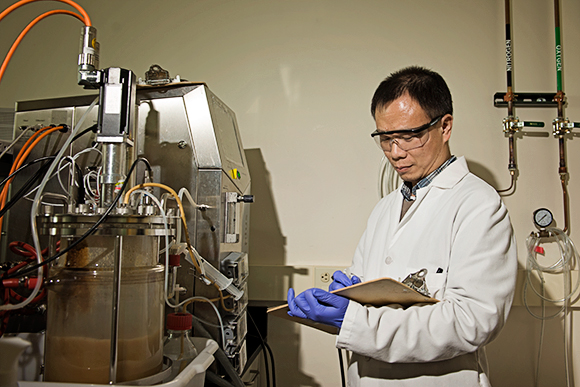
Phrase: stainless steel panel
(202, 130)
(191, 140)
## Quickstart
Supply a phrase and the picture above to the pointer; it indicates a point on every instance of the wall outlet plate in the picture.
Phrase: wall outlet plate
(323, 275)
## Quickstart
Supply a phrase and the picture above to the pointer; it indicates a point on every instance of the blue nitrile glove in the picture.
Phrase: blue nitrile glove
(341, 280)
(318, 305)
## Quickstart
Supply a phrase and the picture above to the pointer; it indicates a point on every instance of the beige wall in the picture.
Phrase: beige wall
(300, 75)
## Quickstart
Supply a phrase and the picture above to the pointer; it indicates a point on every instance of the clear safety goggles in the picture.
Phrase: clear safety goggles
(406, 139)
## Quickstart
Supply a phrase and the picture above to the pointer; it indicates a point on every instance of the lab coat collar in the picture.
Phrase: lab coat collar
(447, 179)
(451, 175)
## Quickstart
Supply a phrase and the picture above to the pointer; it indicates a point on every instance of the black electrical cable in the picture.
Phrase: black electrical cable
(272, 363)
(266, 367)
(81, 192)
(81, 184)
(146, 162)
(90, 129)
(24, 189)
(85, 235)
(33, 180)
(148, 166)
(267, 351)
(24, 167)
(342, 378)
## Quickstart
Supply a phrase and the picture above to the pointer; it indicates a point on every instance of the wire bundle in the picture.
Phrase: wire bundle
(23, 154)
(40, 134)
(33, 213)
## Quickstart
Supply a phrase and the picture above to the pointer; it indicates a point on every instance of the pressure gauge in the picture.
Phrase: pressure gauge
(543, 217)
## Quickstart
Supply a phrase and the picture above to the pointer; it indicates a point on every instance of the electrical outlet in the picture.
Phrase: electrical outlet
(323, 275)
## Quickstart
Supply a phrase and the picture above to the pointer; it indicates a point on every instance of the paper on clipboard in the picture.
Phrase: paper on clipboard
(379, 292)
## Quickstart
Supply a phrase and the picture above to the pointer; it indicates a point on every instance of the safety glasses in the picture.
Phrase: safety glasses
(406, 139)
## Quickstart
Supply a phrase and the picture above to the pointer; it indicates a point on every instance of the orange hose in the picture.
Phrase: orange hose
(43, 135)
(25, 31)
(25, 146)
(23, 154)
(4, 192)
(21, 157)
(86, 19)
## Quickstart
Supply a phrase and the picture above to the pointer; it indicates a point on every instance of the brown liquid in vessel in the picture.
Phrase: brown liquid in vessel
(86, 360)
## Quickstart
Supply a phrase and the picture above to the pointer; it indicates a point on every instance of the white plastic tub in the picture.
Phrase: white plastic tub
(192, 376)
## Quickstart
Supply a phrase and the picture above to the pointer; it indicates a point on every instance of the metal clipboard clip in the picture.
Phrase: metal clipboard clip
(418, 282)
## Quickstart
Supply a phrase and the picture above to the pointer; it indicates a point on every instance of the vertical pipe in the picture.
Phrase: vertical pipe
(512, 159)
(508, 57)
(559, 64)
(559, 97)
(114, 359)
(565, 199)
(562, 148)
(558, 45)
(509, 97)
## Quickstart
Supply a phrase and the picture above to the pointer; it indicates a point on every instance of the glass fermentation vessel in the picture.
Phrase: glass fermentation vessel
(80, 298)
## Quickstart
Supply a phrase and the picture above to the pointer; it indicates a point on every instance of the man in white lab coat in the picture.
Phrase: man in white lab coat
(444, 219)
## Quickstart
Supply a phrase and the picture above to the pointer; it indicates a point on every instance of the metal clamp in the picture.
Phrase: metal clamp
(416, 281)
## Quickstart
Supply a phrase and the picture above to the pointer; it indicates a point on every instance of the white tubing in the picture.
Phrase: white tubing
(389, 180)
(166, 296)
(15, 141)
(568, 257)
(564, 266)
(34, 210)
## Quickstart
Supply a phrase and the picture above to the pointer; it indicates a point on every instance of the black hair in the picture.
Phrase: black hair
(425, 86)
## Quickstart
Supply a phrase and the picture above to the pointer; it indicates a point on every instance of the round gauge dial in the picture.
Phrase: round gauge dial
(543, 217)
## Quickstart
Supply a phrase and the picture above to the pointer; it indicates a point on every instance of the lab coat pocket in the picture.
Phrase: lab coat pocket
(436, 283)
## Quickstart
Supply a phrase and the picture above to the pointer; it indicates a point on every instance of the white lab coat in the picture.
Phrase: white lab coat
(459, 230)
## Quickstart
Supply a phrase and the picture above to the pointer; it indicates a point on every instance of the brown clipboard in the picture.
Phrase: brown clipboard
(379, 292)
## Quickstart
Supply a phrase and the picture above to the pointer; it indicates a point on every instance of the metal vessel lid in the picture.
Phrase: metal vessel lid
(179, 321)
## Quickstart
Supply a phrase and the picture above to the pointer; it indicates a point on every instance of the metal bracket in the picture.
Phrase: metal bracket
(526, 100)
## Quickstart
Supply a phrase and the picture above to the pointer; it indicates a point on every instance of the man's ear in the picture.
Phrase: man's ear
(447, 125)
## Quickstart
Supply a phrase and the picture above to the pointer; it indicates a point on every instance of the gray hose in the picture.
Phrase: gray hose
(220, 355)
(214, 379)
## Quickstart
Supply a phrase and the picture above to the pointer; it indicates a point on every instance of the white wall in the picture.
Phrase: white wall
(299, 75)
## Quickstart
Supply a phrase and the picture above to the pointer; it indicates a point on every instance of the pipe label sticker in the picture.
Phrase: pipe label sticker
(508, 55)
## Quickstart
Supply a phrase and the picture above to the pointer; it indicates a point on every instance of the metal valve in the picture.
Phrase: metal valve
(513, 124)
(561, 126)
